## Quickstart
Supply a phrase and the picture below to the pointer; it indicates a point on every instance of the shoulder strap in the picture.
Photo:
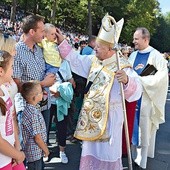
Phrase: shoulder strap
(60, 75)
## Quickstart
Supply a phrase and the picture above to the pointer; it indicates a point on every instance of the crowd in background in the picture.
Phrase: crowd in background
(14, 29)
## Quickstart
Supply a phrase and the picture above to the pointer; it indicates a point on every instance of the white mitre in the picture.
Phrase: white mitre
(110, 30)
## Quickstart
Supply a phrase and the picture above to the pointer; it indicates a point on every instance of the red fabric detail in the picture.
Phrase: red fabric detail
(130, 110)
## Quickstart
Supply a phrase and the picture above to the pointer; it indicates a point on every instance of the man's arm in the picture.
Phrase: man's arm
(48, 81)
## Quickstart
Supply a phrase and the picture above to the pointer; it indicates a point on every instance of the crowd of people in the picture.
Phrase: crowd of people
(46, 74)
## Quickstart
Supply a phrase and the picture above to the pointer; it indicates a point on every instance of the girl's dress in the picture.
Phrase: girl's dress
(7, 131)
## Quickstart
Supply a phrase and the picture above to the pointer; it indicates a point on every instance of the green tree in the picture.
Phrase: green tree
(89, 18)
(161, 39)
(53, 11)
(84, 16)
(140, 14)
(13, 10)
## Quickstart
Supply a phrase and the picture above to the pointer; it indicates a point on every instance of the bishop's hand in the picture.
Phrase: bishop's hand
(59, 36)
(122, 76)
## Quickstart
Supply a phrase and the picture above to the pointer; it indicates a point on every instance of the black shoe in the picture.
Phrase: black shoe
(137, 167)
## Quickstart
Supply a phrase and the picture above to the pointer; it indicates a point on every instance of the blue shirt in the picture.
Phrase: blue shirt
(87, 50)
(32, 124)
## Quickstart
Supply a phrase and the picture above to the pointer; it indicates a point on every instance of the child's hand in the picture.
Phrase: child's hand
(14, 163)
(20, 158)
(57, 94)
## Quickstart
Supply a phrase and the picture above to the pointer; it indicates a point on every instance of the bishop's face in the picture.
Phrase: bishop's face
(102, 51)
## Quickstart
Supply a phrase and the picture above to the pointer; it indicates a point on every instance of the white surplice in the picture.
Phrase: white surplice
(152, 112)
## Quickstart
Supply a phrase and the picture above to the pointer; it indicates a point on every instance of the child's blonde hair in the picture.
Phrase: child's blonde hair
(7, 43)
(47, 26)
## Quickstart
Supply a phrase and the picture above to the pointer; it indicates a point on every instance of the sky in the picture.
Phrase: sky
(164, 5)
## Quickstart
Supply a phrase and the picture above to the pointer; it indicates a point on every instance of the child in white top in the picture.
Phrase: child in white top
(8, 153)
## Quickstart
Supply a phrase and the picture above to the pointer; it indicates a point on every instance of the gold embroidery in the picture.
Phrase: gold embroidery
(93, 117)
(96, 114)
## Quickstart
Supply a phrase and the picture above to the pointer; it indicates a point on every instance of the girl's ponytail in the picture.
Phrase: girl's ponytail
(3, 106)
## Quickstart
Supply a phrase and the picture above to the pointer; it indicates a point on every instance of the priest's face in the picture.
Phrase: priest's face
(102, 51)
(139, 41)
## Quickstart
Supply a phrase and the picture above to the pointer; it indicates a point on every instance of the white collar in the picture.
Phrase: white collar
(107, 61)
(146, 50)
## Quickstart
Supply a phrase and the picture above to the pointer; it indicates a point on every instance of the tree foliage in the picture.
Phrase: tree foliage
(161, 38)
(73, 15)
(140, 14)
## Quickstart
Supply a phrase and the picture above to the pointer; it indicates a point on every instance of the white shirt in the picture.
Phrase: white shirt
(6, 126)
(65, 71)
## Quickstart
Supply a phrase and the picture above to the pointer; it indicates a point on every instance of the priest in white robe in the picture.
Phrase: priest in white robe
(151, 106)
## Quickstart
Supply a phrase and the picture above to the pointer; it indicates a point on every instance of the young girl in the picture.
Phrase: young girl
(33, 126)
(8, 153)
(7, 43)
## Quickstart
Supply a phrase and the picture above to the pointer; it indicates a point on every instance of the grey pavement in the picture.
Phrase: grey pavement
(162, 153)
(73, 151)
(161, 161)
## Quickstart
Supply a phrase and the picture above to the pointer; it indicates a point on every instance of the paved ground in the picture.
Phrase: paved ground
(160, 162)
(162, 156)
(73, 151)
